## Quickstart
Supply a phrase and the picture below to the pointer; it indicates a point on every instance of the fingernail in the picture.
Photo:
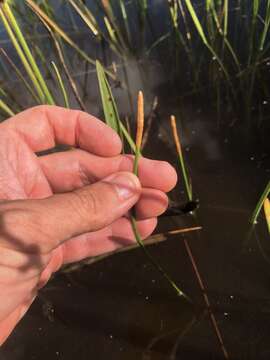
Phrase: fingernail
(126, 184)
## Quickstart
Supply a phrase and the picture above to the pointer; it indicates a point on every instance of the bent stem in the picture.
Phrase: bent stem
(181, 158)
(112, 119)
(4, 107)
(266, 206)
(139, 137)
(61, 84)
(260, 204)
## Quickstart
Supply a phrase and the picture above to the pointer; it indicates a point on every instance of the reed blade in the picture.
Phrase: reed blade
(5, 108)
(181, 158)
(22, 57)
(61, 84)
(266, 205)
(20, 75)
(266, 26)
(87, 17)
(23, 43)
(109, 107)
(59, 31)
(259, 205)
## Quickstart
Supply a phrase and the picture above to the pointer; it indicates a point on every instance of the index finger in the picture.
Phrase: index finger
(44, 126)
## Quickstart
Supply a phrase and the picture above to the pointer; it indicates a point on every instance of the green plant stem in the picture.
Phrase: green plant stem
(20, 75)
(139, 241)
(61, 85)
(38, 11)
(153, 261)
(259, 205)
(28, 53)
(22, 57)
(185, 176)
(6, 108)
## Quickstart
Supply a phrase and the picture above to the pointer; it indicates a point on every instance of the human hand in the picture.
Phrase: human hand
(66, 206)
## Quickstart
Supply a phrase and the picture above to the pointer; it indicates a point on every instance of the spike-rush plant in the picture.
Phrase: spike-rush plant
(113, 120)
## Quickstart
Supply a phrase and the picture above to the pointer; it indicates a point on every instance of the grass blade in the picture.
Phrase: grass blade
(88, 19)
(109, 107)
(61, 84)
(12, 20)
(196, 21)
(125, 19)
(4, 107)
(22, 57)
(38, 11)
(259, 205)
(20, 75)
(181, 158)
(62, 60)
(266, 26)
(266, 206)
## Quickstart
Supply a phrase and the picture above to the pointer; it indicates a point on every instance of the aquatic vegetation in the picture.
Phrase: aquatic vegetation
(5, 108)
(61, 84)
(212, 53)
(260, 203)
(224, 48)
(266, 205)
(25, 54)
(177, 142)
(112, 119)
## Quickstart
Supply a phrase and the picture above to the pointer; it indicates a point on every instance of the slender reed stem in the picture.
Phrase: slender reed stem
(11, 18)
(20, 75)
(266, 206)
(38, 11)
(22, 57)
(259, 205)
(139, 138)
(61, 84)
(4, 107)
(181, 158)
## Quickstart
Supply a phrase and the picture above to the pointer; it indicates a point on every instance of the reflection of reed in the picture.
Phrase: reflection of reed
(206, 300)
(188, 189)
(195, 321)
(182, 333)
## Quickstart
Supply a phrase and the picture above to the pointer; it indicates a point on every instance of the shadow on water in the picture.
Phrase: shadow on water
(120, 308)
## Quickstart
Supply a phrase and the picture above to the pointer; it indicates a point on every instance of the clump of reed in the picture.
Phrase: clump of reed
(225, 49)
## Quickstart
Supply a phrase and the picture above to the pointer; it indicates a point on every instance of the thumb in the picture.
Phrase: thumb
(46, 223)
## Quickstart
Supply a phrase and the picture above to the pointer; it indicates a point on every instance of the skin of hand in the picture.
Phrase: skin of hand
(66, 206)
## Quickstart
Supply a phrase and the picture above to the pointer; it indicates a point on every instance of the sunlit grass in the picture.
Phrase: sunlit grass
(266, 205)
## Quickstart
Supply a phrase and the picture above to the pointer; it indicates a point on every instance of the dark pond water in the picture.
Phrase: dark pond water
(120, 308)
